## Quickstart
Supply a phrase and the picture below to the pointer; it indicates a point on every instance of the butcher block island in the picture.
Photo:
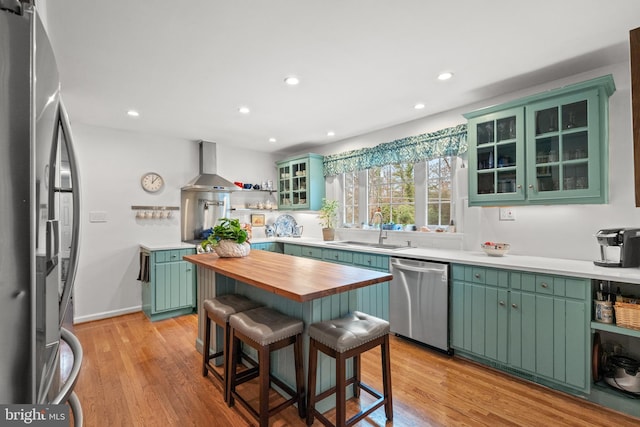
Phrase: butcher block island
(298, 279)
(308, 289)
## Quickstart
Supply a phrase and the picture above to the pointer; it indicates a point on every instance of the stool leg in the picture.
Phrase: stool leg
(205, 348)
(386, 378)
(356, 375)
(264, 367)
(233, 366)
(225, 356)
(341, 399)
(311, 380)
(297, 355)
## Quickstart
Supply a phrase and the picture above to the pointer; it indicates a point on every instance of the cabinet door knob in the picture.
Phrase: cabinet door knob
(544, 285)
(477, 275)
(519, 187)
(531, 186)
(369, 262)
(501, 303)
(514, 305)
(336, 256)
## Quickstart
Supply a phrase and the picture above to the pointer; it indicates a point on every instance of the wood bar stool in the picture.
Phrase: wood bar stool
(345, 338)
(219, 309)
(266, 330)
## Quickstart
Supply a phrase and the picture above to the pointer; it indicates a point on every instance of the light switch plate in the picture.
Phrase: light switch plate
(97, 216)
(507, 214)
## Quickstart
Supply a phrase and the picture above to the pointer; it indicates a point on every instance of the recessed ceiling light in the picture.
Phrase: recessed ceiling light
(133, 113)
(445, 76)
(419, 106)
(272, 140)
(244, 110)
(331, 133)
(291, 80)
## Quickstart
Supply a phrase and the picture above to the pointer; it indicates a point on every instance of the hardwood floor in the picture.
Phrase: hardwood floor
(139, 373)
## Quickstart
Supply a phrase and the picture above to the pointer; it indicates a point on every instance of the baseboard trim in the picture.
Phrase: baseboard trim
(106, 314)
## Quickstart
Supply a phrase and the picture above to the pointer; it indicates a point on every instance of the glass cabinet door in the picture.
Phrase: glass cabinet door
(496, 164)
(299, 184)
(284, 185)
(563, 149)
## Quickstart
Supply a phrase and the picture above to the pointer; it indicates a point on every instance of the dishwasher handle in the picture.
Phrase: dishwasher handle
(420, 269)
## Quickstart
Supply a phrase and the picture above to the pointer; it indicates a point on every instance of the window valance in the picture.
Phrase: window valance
(446, 142)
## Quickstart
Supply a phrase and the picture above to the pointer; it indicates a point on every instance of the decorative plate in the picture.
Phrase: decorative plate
(285, 225)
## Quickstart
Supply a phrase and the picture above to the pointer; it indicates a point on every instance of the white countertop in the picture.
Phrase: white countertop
(558, 266)
(166, 246)
(565, 267)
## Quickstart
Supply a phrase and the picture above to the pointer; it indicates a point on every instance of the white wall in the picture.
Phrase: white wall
(111, 164)
(564, 231)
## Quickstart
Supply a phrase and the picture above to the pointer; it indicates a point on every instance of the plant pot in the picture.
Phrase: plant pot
(232, 249)
(328, 233)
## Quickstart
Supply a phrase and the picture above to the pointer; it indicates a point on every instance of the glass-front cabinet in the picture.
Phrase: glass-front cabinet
(301, 183)
(498, 156)
(565, 153)
(546, 148)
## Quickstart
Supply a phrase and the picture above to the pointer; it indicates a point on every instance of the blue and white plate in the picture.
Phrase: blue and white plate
(285, 225)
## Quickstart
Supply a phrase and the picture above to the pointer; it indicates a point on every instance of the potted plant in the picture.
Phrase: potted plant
(228, 239)
(328, 217)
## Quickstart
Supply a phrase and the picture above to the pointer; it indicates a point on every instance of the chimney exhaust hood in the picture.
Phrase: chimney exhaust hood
(209, 180)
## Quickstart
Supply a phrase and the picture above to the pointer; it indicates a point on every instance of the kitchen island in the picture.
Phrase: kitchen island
(307, 289)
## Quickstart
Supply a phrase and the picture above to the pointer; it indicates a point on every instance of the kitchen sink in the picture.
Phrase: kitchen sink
(369, 245)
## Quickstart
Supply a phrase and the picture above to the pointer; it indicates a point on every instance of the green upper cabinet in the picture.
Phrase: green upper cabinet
(301, 183)
(496, 164)
(546, 148)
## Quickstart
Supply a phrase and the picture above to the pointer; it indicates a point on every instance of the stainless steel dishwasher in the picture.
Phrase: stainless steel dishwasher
(419, 301)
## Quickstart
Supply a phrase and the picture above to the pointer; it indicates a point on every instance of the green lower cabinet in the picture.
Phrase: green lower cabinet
(171, 289)
(541, 333)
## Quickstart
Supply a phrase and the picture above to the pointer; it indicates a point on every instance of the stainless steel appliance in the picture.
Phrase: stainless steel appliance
(419, 301)
(619, 247)
(205, 199)
(39, 203)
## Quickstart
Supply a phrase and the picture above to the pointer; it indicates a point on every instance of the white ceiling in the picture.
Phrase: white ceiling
(187, 66)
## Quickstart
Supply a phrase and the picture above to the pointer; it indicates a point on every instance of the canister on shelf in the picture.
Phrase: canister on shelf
(603, 311)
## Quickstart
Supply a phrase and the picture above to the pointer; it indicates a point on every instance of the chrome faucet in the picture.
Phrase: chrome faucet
(380, 237)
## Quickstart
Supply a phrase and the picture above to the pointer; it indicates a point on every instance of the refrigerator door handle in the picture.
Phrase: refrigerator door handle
(76, 349)
(53, 233)
(65, 127)
(76, 408)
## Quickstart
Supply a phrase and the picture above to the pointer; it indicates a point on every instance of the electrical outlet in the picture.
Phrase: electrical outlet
(507, 214)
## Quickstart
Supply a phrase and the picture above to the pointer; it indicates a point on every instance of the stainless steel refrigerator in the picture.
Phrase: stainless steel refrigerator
(39, 213)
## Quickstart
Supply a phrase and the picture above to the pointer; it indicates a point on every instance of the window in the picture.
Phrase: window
(392, 191)
(439, 186)
(397, 190)
(351, 193)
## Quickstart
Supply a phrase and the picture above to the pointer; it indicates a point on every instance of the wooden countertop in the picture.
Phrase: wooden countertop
(299, 279)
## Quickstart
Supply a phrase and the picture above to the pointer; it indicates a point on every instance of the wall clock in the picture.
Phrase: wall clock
(152, 182)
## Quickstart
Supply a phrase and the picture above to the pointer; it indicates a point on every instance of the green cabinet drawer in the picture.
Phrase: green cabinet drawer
(333, 255)
(481, 275)
(266, 246)
(294, 250)
(377, 262)
(311, 252)
(170, 255)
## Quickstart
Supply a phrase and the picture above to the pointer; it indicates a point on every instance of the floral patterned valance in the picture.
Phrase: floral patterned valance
(446, 142)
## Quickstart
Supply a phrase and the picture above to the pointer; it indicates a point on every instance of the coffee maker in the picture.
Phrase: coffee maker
(619, 247)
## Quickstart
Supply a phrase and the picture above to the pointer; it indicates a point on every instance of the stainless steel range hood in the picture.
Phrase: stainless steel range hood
(209, 180)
